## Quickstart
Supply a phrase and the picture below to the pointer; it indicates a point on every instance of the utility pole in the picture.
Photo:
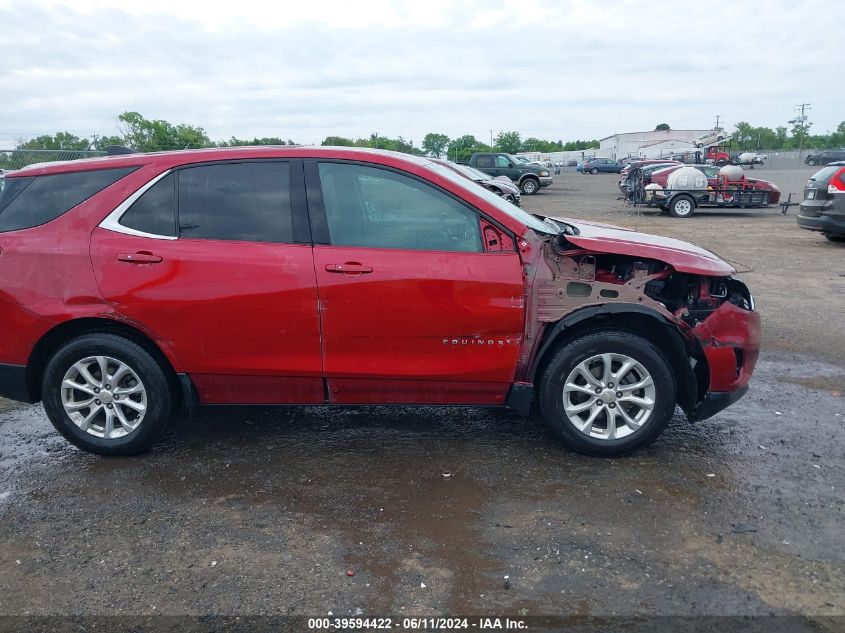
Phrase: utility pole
(801, 122)
(717, 122)
(491, 141)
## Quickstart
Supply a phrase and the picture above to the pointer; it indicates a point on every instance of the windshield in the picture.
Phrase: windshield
(500, 203)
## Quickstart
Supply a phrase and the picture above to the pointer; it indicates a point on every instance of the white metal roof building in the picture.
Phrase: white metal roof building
(629, 143)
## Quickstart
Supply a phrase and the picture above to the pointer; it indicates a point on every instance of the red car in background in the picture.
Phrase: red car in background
(134, 286)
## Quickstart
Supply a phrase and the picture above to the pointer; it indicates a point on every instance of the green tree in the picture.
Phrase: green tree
(100, 143)
(61, 141)
(238, 142)
(662, 126)
(509, 142)
(150, 135)
(435, 144)
(463, 147)
(743, 135)
(338, 141)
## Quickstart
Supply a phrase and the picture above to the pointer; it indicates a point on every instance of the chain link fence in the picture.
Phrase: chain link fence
(11, 159)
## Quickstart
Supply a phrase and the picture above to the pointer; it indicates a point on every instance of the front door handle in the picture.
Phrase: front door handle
(349, 268)
(141, 257)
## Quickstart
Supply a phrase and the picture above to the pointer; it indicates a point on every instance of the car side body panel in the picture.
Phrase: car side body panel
(270, 323)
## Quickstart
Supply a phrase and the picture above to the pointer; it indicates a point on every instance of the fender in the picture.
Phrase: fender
(674, 343)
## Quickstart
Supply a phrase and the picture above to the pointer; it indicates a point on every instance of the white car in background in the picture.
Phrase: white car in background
(713, 136)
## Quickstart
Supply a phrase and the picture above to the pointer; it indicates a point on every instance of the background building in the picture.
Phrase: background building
(625, 144)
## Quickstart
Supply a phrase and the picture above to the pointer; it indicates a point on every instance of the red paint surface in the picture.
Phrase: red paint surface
(237, 308)
(395, 326)
(682, 256)
(727, 330)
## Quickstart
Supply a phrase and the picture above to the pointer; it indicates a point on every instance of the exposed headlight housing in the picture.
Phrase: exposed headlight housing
(544, 173)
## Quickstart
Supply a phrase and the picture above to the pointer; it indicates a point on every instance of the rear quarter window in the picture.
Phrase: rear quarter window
(30, 201)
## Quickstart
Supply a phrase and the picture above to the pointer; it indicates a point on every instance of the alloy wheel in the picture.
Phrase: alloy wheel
(104, 397)
(609, 396)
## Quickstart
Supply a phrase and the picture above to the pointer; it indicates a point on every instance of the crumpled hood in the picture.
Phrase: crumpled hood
(682, 256)
(504, 184)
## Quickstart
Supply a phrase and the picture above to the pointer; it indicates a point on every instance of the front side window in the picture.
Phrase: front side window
(247, 201)
(31, 201)
(377, 208)
(501, 161)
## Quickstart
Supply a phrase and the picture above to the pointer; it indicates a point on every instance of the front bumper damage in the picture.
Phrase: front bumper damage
(730, 342)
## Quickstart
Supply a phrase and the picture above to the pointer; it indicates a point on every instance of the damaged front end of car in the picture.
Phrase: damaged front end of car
(685, 300)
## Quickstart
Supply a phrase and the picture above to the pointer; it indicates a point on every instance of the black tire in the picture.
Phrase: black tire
(835, 237)
(681, 206)
(529, 186)
(811, 163)
(161, 394)
(594, 171)
(550, 397)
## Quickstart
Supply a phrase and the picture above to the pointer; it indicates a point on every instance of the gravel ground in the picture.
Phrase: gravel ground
(266, 511)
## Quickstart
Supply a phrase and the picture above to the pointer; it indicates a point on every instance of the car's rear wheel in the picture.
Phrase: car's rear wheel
(108, 395)
(607, 393)
(835, 237)
(594, 171)
(681, 206)
(529, 186)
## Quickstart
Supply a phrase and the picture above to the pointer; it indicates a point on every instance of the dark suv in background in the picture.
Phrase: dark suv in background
(825, 158)
(823, 208)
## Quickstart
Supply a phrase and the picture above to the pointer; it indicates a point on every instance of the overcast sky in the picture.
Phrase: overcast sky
(553, 69)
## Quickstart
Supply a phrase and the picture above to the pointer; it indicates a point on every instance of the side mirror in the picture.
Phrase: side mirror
(510, 164)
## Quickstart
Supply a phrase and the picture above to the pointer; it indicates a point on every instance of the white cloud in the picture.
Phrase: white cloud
(304, 70)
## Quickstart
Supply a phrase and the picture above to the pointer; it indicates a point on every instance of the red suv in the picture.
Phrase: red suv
(134, 286)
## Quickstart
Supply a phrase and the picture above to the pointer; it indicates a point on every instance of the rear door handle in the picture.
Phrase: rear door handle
(141, 257)
(349, 268)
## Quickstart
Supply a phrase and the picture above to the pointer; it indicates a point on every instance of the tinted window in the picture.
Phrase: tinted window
(27, 202)
(236, 201)
(501, 161)
(155, 211)
(366, 206)
(484, 161)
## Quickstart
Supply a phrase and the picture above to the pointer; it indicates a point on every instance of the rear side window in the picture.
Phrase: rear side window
(236, 201)
(484, 161)
(32, 201)
(155, 211)
(824, 174)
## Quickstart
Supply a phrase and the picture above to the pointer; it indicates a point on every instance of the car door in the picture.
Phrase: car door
(413, 308)
(214, 261)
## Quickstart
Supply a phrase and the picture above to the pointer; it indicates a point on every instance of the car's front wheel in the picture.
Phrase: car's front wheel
(594, 171)
(108, 395)
(835, 237)
(607, 393)
(811, 163)
(529, 186)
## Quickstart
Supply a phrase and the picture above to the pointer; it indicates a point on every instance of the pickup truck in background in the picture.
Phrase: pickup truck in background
(529, 177)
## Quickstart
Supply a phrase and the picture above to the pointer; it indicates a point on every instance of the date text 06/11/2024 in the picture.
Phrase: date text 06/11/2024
(359, 623)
